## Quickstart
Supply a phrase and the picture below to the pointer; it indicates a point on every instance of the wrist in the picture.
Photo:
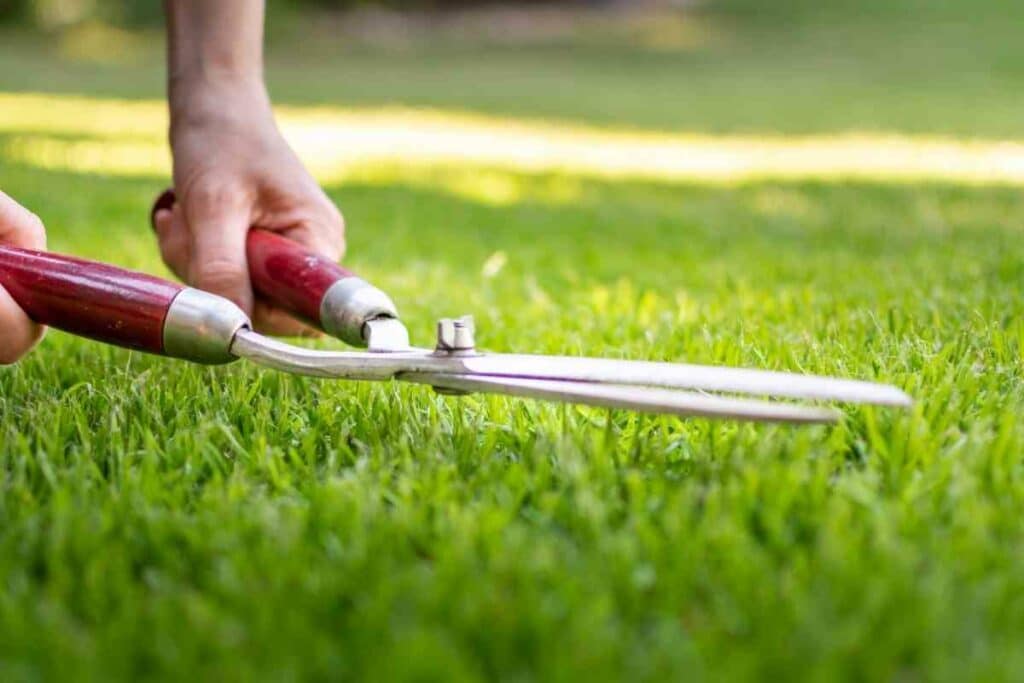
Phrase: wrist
(213, 47)
(201, 98)
(187, 87)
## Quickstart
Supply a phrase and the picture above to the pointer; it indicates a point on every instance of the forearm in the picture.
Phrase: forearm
(212, 44)
(233, 171)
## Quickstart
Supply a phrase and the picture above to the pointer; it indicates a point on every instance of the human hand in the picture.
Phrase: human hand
(19, 227)
(233, 171)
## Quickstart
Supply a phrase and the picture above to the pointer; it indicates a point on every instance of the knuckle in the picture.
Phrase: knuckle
(218, 271)
(218, 274)
(207, 198)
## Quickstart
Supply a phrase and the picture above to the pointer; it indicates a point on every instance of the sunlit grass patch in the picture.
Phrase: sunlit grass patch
(100, 156)
(82, 116)
(126, 138)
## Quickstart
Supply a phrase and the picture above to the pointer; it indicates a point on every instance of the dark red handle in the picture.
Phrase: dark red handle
(290, 276)
(283, 272)
(87, 298)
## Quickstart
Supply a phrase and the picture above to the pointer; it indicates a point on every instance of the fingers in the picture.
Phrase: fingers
(313, 220)
(19, 227)
(18, 334)
(324, 233)
(202, 239)
(328, 230)
(173, 237)
(268, 319)
(218, 222)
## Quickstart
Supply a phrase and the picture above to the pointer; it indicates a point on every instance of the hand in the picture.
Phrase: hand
(19, 227)
(232, 172)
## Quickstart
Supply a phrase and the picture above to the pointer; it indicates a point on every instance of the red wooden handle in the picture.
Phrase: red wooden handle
(290, 276)
(282, 271)
(87, 298)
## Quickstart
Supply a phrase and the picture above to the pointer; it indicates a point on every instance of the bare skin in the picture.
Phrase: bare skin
(233, 171)
(19, 227)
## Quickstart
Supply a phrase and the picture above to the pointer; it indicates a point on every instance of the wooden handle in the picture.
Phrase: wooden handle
(89, 299)
(289, 276)
(283, 272)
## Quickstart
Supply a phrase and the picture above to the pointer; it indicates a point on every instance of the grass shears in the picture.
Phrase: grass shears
(146, 313)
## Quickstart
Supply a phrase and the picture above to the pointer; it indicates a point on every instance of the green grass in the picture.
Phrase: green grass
(162, 520)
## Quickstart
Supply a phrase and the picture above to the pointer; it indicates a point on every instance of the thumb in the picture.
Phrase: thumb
(217, 230)
(19, 227)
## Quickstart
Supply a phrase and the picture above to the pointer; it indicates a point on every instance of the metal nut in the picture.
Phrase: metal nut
(456, 334)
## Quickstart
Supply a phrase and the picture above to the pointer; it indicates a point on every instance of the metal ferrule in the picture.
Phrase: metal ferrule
(349, 304)
(201, 326)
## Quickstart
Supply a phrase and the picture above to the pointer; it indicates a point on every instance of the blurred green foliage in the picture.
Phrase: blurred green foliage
(796, 10)
(50, 14)
(55, 14)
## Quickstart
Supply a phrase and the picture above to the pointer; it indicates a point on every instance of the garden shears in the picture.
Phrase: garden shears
(142, 312)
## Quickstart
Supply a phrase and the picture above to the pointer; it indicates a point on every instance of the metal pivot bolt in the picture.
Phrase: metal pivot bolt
(456, 335)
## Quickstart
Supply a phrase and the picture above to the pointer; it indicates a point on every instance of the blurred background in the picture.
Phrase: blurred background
(502, 106)
(943, 67)
(459, 96)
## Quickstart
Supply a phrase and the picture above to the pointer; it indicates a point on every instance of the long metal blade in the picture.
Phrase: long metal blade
(642, 399)
(381, 366)
(686, 376)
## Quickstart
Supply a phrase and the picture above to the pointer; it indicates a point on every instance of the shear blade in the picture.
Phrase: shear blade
(686, 404)
(639, 384)
(685, 376)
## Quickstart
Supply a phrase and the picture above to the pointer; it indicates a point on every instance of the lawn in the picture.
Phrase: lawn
(163, 520)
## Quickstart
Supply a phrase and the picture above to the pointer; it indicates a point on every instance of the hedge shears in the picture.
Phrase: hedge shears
(139, 311)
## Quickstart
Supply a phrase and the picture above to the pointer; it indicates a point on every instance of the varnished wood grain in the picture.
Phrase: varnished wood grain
(87, 298)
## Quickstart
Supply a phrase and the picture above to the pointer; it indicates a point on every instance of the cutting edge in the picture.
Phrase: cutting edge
(493, 370)
(645, 399)
(688, 377)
